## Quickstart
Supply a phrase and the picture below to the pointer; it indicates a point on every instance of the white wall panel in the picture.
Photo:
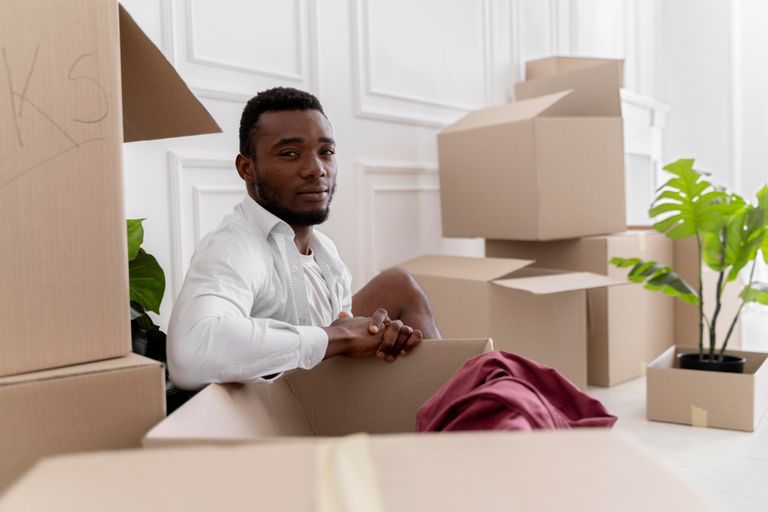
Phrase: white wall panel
(203, 189)
(441, 62)
(230, 50)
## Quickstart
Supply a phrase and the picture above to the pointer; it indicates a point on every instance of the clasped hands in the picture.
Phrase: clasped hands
(365, 336)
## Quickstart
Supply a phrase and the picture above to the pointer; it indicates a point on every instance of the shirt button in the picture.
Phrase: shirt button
(303, 320)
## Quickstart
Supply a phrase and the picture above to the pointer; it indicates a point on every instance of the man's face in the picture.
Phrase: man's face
(294, 165)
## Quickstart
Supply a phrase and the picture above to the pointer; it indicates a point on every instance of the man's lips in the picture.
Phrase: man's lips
(313, 194)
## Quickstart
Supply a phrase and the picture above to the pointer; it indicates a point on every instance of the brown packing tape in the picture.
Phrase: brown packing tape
(698, 417)
(346, 478)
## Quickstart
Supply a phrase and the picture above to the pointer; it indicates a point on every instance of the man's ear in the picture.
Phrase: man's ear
(245, 168)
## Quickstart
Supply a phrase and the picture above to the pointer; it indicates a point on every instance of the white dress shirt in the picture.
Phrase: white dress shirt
(244, 310)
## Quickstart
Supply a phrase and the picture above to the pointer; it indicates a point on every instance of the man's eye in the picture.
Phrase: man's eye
(289, 153)
(328, 151)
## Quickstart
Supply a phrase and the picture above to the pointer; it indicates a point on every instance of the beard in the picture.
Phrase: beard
(268, 200)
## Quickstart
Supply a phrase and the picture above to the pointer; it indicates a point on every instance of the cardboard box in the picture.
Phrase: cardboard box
(488, 471)
(94, 406)
(627, 326)
(538, 313)
(544, 168)
(687, 315)
(735, 401)
(339, 396)
(63, 263)
(595, 83)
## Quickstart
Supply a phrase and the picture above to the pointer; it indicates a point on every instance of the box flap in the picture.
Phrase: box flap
(488, 471)
(463, 267)
(558, 65)
(509, 113)
(561, 282)
(120, 363)
(157, 104)
(596, 83)
(234, 412)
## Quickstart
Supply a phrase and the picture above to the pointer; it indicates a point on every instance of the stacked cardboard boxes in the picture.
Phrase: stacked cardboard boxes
(80, 78)
(542, 180)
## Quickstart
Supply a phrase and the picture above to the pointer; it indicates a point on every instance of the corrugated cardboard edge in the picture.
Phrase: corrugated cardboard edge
(128, 362)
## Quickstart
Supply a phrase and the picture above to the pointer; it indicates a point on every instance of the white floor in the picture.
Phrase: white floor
(729, 466)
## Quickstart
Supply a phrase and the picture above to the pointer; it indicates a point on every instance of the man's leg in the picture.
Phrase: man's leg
(398, 292)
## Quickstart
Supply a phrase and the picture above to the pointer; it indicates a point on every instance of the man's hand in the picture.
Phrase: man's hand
(363, 337)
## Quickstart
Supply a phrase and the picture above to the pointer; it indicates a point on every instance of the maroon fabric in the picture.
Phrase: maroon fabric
(503, 391)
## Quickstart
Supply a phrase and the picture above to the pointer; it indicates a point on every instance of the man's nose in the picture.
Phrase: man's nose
(313, 168)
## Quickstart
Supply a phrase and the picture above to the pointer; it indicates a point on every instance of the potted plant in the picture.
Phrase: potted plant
(147, 286)
(729, 232)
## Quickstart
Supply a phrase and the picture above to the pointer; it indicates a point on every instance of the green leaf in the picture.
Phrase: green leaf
(135, 237)
(147, 281)
(744, 234)
(762, 203)
(756, 292)
(658, 277)
(693, 204)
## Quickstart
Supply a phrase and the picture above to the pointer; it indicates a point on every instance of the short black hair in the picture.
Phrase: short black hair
(275, 99)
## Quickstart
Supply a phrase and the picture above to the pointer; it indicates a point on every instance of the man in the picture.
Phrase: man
(266, 292)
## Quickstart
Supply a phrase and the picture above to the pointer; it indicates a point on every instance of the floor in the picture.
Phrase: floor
(729, 466)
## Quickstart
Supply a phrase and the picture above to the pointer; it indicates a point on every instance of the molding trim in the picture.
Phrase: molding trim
(363, 86)
(177, 22)
(412, 177)
(194, 58)
(177, 163)
(197, 195)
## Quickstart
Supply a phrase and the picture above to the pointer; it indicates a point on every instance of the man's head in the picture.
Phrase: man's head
(287, 155)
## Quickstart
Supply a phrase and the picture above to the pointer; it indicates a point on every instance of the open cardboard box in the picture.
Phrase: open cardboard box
(339, 396)
(543, 168)
(538, 313)
(94, 406)
(628, 326)
(595, 82)
(79, 78)
(575, 470)
(734, 401)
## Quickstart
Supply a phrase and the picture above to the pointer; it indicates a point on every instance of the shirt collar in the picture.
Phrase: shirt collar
(265, 220)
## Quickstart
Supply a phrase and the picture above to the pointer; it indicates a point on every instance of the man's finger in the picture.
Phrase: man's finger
(388, 339)
(406, 331)
(379, 319)
(414, 340)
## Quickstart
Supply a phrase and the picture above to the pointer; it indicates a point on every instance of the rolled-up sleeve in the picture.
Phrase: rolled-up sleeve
(213, 338)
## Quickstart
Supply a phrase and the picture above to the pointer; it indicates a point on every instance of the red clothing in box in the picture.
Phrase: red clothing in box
(503, 391)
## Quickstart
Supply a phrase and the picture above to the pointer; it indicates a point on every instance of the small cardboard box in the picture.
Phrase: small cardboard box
(590, 469)
(595, 82)
(339, 396)
(687, 315)
(538, 313)
(94, 406)
(735, 401)
(627, 326)
(78, 78)
(545, 168)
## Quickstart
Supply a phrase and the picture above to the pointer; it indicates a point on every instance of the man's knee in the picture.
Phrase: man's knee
(402, 281)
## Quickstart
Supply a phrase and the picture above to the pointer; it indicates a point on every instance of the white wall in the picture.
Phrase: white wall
(390, 74)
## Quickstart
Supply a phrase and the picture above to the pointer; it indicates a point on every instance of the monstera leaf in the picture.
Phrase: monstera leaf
(737, 244)
(658, 278)
(692, 203)
(762, 203)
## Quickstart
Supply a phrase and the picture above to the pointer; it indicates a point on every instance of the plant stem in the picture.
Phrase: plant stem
(701, 298)
(718, 294)
(736, 318)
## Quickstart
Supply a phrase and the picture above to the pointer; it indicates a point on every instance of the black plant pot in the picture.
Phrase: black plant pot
(730, 364)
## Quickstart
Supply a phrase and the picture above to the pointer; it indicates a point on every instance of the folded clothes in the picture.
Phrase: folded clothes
(504, 391)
